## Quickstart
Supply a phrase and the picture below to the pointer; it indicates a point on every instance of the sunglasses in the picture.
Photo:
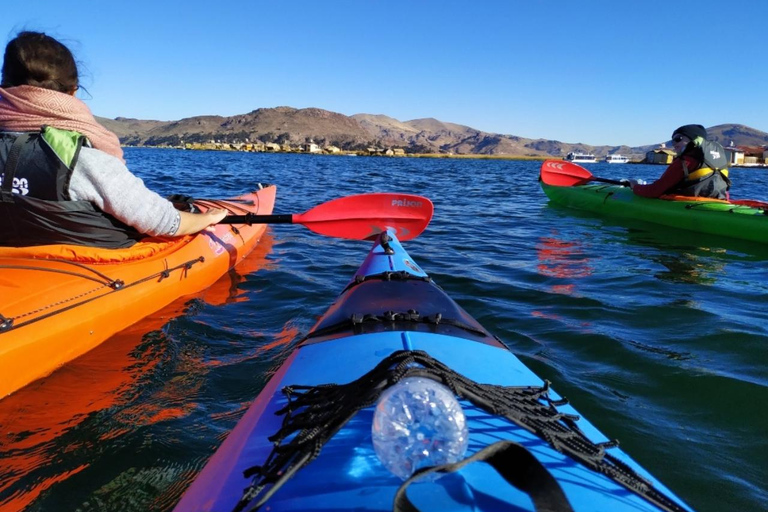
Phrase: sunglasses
(677, 138)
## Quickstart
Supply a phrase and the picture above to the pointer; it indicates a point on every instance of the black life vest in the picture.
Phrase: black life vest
(35, 206)
(710, 178)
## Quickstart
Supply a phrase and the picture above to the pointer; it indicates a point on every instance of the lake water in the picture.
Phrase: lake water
(659, 337)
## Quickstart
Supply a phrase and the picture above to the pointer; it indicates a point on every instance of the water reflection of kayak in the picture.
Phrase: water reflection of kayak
(44, 417)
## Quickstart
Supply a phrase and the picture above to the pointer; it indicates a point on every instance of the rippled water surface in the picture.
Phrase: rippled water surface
(659, 337)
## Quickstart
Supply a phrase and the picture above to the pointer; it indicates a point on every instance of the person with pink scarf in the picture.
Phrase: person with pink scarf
(62, 174)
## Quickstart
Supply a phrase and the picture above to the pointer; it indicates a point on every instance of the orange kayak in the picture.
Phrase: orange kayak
(57, 302)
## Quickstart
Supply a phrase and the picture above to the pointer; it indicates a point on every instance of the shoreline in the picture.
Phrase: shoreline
(539, 158)
(367, 154)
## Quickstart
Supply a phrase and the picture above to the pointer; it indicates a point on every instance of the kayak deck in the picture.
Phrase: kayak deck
(348, 476)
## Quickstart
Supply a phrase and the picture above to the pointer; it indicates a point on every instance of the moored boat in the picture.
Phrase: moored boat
(307, 441)
(59, 301)
(581, 158)
(616, 159)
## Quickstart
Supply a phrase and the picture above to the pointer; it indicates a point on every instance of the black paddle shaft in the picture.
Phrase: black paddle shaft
(606, 180)
(250, 218)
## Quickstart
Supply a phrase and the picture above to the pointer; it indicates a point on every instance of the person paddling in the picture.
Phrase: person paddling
(63, 179)
(699, 169)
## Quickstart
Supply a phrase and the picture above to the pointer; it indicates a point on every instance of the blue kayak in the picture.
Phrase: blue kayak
(306, 441)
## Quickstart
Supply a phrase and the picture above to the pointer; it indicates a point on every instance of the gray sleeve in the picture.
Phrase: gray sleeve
(106, 182)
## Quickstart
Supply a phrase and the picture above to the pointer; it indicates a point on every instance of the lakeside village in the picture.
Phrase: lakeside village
(273, 147)
(738, 156)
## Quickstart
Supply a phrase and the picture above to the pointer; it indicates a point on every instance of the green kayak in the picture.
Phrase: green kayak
(745, 220)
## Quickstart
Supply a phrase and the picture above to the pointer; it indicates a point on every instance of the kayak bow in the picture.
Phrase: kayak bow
(306, 443)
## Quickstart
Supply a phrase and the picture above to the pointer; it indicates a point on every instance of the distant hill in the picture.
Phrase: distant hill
(296, 126)
(433, 136)
(739, 134)
(281, 125)
(130, 131)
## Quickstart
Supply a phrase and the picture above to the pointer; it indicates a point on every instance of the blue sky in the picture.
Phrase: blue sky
(598, 72)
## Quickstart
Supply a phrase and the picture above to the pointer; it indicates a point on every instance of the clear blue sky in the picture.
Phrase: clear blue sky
(598, 72)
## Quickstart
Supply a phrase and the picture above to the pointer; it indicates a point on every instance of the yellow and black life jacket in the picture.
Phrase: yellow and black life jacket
(710, 179)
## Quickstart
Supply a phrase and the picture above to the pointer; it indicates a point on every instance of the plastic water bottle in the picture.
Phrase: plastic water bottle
(418, 422)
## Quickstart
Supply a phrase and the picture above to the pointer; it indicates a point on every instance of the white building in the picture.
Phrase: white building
(734, 155)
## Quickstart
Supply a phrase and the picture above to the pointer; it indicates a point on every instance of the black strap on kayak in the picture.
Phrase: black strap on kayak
(314, 414)
(55, 308)
(357, 320)
(513, 462)
(5, 323)
(446, 311)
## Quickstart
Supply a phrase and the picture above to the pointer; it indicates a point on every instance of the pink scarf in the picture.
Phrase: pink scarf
(26, 108)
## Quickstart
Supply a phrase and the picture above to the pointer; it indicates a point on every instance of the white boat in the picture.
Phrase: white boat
(617, 159)
(581, 158)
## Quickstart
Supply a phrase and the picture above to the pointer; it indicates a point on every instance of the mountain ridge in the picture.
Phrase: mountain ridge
(425, 135)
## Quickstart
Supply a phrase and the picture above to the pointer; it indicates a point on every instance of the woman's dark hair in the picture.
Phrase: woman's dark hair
(33, 58)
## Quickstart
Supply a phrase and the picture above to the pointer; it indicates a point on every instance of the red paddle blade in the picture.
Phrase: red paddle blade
(362, 217)
(564, 174)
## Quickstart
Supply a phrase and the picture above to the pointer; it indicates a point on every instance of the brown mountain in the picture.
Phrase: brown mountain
(739, 134)
(433, 136)
(281, 124)
(128, 129)
(296, 126)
